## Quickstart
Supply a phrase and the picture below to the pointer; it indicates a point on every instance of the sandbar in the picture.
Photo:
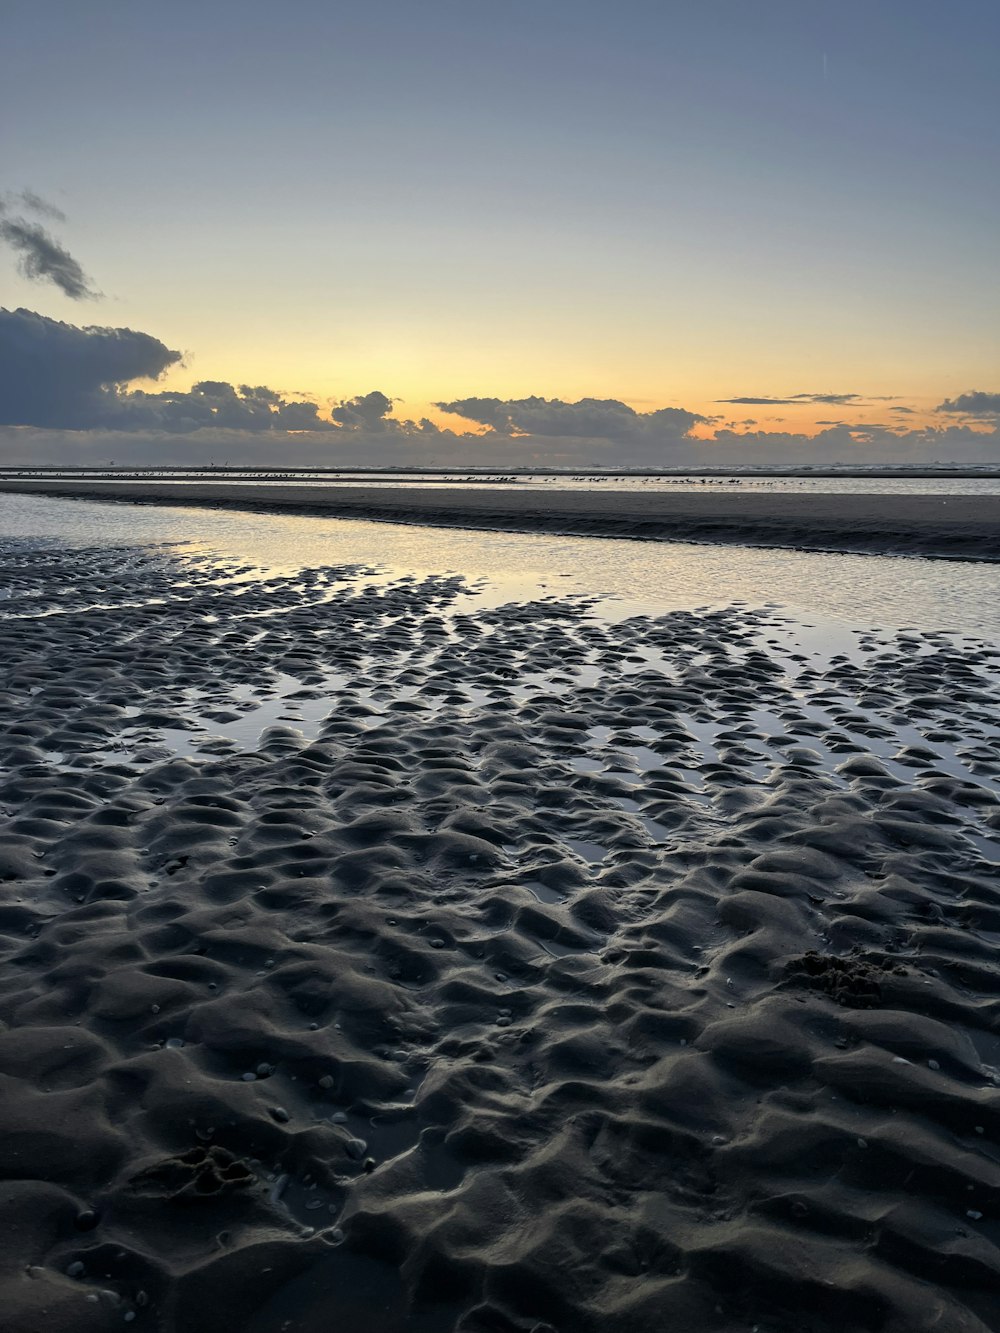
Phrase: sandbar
(953, 526)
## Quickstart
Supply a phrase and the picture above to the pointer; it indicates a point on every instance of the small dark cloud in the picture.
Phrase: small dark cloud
(975, 403)
(43, 259)
(368, 411)
(748, 401)
(903, 411)
(829, 399)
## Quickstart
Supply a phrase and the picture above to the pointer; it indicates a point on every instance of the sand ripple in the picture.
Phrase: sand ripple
(378, 960)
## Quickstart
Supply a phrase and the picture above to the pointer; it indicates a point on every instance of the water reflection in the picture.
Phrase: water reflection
(819, 589)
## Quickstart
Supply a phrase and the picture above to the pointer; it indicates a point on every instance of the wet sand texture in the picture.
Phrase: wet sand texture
(957, 526)
(527, 973)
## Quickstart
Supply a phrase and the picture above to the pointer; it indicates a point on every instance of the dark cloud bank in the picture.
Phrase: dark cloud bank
(67, 395)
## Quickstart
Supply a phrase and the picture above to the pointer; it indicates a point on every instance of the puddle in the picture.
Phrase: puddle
(592, 852)
(988, 848)
(543, 893)
(658, 832)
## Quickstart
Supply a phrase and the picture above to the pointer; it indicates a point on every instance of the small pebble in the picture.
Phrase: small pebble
(249, 1077)
(356, 1148)
(933, 1064)
(280, 1114)
(326, 1081)
(87, 1219)
(174, 1043)
(264, 1070)
(76, 1269)
(339, 1118)
(973, 1214)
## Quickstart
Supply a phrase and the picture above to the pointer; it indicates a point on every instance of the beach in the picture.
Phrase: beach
(963, 527)
(382, 956)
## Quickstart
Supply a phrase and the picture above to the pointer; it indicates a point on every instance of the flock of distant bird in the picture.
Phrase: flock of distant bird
(236, 474)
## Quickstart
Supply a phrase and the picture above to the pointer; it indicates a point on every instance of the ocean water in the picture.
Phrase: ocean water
(824, 592)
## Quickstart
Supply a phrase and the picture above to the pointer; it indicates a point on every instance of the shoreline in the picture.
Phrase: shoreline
(934, 526)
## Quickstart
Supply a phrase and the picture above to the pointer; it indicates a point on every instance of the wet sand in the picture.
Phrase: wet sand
(375, 959)
(958, 527)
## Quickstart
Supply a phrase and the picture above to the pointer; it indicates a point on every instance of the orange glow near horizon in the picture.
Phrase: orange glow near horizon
(795, 418)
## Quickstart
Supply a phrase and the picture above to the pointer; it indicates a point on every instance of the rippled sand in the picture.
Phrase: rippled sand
(378, 959)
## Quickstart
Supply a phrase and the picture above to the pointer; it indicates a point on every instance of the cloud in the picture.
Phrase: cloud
(366, 412)
(271, 446)
(589, 418)
(40, 257)
(56, 374)
(975, 403)
(856, 446)
(39, 205)
(757, 402)
(69, 394)
(212, 404)
(829, 399)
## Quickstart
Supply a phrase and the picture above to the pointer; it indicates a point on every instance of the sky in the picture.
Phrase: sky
(531, 231)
